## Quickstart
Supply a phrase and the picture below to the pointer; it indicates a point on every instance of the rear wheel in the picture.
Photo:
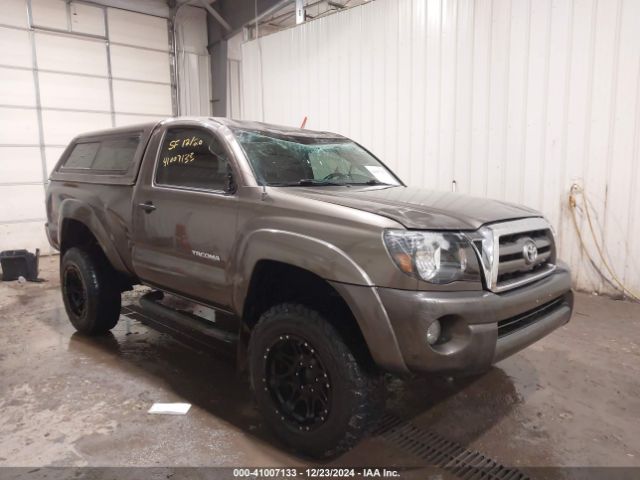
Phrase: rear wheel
(90, 294)
(309, 386)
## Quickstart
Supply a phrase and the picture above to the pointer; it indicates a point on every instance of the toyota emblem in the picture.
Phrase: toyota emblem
(529, 251)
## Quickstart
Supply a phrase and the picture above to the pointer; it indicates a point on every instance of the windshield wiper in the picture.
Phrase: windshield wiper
(373, 181)
(305, 182)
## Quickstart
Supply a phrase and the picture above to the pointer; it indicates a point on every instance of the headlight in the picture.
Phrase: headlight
(435, 257)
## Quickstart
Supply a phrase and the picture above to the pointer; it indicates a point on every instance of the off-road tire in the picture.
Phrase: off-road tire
(357, 393)
(97, 289)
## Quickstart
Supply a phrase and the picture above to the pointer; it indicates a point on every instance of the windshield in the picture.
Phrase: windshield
(300, 160)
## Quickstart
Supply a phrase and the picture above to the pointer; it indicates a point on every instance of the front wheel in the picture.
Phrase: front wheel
(308, 385)
(91, 296)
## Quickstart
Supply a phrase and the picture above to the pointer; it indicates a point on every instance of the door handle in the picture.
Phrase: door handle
(148, 207)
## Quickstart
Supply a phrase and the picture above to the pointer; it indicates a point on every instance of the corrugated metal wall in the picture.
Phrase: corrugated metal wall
(512, 99)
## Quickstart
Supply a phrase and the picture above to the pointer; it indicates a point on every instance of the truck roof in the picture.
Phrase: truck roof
(246, 124)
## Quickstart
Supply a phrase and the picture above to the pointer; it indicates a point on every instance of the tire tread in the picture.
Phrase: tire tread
(103, 296)
(367, 386)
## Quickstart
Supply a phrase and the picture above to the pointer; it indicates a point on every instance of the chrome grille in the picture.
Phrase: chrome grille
(512, 262)
(515, 253)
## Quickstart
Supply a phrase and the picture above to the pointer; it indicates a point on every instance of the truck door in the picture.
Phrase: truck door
(185, 215)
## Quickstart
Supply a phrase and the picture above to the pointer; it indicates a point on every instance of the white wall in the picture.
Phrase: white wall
(234, 76)
(194, 72)
(512, 99)
(66, 69)
(77, 67)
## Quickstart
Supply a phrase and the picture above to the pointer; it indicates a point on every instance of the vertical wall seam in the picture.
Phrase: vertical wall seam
(507, 69)
(425, 100)
(587, 127)
(439, 126)
(173, 67)
(633, 178)
(589, 96)
(489, 92)
(68, 14)
(38, 98)
(229, 95)
(545, 107)
(471, 102)
(411, 91)
(360, 82)
(613, 106)
(398, 88)
(525, 104)
(384, 86)
(112, 107)
(456, 15)
(565, 112)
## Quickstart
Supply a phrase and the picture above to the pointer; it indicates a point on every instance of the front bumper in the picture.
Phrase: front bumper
(480, 327)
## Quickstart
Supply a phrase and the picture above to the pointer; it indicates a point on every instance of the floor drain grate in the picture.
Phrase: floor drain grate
(443, 453)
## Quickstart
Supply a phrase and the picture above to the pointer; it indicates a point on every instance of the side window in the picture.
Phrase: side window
(116, 153)
(108, 155)
(82, 155)
(192, 158)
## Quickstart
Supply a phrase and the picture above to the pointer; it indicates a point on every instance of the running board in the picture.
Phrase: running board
(184, 324)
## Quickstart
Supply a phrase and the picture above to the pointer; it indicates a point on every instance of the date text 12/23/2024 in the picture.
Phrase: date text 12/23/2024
(315, 472)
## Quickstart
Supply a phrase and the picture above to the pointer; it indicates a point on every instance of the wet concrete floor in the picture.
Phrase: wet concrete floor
(572, 399)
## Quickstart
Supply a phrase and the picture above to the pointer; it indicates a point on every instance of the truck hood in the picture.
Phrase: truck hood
(419, 208)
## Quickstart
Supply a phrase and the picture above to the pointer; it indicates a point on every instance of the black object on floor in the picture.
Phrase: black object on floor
(19, 263)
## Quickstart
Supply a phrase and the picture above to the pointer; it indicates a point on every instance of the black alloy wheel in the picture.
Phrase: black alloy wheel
(75, 290)
(90, 291)
(313, 392)
(297, 382)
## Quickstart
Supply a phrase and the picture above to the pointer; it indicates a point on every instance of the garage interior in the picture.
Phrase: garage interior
(532, 102)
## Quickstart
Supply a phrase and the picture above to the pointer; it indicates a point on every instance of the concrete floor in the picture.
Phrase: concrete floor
(572, 399)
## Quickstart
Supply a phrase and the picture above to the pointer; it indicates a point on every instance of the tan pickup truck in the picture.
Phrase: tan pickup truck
(332, 270)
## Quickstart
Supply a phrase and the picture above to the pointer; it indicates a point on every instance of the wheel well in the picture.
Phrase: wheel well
(275, 282)
(76, 234)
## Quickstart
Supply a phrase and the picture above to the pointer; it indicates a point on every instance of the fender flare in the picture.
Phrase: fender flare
(335, 266)
(71, 209)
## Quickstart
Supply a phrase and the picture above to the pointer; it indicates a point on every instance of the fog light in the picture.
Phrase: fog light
(433, 332)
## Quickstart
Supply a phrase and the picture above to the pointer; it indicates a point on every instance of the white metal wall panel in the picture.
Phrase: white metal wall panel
(137, 64)
(74, 92)
(136, 97)
(87, 19)
(194, 84)
(123, 120)
(20, 165)
(25, 234)
(511, 99)
(83, 76)
(49, 13)
(18, 126)
(16, 87)
(193, 61)
(20, 202)
(15, 49)
(14, 13)
(138, 29)
(71, 54)
(60, 126)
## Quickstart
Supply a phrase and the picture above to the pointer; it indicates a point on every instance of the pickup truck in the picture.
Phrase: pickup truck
(330, 269)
